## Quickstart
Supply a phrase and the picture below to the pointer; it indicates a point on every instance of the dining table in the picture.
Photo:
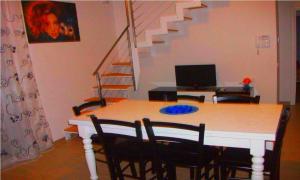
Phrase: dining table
(247, 126)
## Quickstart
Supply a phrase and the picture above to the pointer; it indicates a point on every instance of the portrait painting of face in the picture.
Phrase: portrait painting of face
(50, 21)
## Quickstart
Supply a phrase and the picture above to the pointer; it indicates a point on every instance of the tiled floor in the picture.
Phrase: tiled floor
(66, 160)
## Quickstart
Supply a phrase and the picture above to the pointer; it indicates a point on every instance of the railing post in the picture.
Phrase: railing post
(131, 36)
(130, 54)
(99, 86)
(130, 19)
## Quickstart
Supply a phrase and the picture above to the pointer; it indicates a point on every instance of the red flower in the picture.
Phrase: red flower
(247, 81)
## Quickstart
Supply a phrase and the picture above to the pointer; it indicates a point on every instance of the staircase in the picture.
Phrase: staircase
(165, 20)
(115, 77)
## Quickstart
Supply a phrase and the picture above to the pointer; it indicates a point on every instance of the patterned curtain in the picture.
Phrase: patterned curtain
(25, 131)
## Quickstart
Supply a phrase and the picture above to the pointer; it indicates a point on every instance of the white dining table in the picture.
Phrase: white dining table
(230, 125)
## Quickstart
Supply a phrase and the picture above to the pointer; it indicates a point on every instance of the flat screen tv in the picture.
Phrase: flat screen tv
(196, 76)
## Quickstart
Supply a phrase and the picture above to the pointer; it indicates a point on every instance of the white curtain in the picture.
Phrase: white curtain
(25, 131)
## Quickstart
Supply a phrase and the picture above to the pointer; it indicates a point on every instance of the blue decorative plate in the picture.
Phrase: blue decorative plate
(178, 109)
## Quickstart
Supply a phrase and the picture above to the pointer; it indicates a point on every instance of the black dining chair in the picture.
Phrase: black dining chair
(79, 110)
(85, 108)
(172, 151)
(234, 159)
(236, 99)
(128, 147)
(200, 99)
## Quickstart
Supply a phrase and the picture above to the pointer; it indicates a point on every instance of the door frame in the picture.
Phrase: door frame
(294, 56)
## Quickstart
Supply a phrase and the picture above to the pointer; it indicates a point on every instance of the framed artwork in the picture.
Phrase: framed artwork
(50, 21)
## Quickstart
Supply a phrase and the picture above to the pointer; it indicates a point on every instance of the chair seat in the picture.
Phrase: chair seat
(133, 150)
(242, 158)
(192, 156)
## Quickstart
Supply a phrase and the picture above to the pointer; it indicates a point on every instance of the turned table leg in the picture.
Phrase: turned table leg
(85, 133)
(257, 150)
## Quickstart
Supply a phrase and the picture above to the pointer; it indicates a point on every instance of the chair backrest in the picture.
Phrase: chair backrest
(152, 127)
(275, 169)
(190, 97)
(134, 130)
(236, 99)
(79, 109)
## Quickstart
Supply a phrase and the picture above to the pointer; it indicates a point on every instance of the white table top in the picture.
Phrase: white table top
(259, 119)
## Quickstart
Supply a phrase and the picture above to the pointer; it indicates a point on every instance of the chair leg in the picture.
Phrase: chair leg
(198, 173)
(171, 172)
(155, 166)
(142, 166)
(233, 173)
(206, 169)
(249, 175)
(192, 173)
(223, 172)
(132, 169)
(119, 169)
(112, 171)
(159, 170)
(216, 171)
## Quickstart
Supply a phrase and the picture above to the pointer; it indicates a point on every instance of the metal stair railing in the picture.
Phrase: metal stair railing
(117, 49)
(130, 41)
(144, 14)
(110, 50)
(141, 15)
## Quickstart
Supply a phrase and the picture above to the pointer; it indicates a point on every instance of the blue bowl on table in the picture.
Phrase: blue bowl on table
(178, 109)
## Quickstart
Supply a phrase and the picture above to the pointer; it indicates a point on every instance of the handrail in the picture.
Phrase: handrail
(111, 49)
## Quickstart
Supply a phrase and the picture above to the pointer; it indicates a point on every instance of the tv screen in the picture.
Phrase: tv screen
(196, 76)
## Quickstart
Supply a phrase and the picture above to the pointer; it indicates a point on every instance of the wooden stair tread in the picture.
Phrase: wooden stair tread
(172, 30)
(158, 42)
(72, 129)
(113, 86)
(108, 99)
(122, 64)
(91, 99)
(187, 18)
(197, 7)
(116, 74)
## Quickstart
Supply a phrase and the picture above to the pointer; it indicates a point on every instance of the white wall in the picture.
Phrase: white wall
(64, 70)
(119, 13)
(223, 34)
